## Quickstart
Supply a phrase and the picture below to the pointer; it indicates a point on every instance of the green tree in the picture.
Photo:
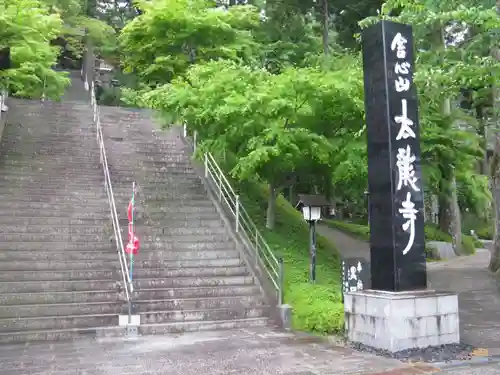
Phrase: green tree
(278, 126)
(171, 35)
(27, 27)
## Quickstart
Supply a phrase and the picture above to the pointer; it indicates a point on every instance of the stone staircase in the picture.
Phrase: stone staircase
(188, 275)
(58, 270)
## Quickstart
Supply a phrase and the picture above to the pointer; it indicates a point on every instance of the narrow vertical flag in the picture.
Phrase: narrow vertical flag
(133, 242)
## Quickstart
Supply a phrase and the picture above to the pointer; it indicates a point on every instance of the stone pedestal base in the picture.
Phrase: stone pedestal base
(396, 321)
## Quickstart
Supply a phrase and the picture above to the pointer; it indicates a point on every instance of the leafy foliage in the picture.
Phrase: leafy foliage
(170, 35)
(279, 126)
(27, 27)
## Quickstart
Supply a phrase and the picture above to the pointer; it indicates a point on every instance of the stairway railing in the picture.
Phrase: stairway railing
(127, 279)
(243, 224)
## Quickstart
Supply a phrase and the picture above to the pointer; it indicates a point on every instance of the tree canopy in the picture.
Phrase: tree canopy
(279, 85)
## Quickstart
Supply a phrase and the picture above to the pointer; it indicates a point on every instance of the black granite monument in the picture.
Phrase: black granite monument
(355, 275)
(397, 244)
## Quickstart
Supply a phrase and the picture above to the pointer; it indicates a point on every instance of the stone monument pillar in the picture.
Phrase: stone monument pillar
(399, 312)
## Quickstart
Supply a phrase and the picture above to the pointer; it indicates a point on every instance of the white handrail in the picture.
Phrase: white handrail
(127, 281)
(244, 225)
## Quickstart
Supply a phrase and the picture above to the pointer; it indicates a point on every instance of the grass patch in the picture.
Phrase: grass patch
(432, 233)
(316, 308)
(485, 233)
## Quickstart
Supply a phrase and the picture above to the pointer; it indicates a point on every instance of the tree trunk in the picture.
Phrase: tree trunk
(292, 194)
(444, 219)
(326, 23)
(455, 228)
(495, 172)
(495, 254)
(456, 220)
(271, 208)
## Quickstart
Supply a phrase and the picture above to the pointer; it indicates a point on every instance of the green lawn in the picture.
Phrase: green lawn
(432, 233)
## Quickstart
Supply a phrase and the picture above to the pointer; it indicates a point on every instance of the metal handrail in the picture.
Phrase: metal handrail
(244, 225)
(127, 281)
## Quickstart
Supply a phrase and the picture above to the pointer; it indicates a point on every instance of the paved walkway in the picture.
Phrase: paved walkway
(240, 352)
(478, 290)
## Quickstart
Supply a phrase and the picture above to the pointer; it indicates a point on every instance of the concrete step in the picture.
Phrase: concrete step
(171, 211)
(84, 296)
(192, 281)
(57, 322)
(69, 186)
(193, 222)
(58, 286)
(60, 193)
(103, 246)
(198, 303)
(99, 230)
(55, 309)
(56, 199)
(61, 275)
(53, 221)
(86, 155)
(102, 206)
(48, 143)
(193, 231)
(184, 218)
(188, 243)
(114, 331)
(177, 194)
(172, 151)
(45, 237)
(23, 180)
(160, 241)
(158, 273)
(159, 317)
(115, 274)
(18, 265)
(197, 292)
(152, 175)
(94, 169)
(173, 207)
(70, 207)
(214, 325)
(34, 213)
(57, 256)
(84, 163)
(53, 176)
(162, 257)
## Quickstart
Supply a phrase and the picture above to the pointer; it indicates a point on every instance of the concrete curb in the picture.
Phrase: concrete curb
(468, 362)
(416, 368)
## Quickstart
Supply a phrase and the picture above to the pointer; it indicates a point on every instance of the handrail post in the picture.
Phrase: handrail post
(184, 130)
(195, 136)
(237, 209)
(281, 281)
(206, 164)
(256, 247)
(220, 188)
